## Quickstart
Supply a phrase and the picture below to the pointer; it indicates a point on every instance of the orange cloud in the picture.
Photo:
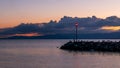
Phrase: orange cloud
(111, 28)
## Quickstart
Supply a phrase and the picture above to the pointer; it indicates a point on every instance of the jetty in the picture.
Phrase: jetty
(100, 46)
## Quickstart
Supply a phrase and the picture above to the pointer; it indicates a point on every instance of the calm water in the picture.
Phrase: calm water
(45, 54)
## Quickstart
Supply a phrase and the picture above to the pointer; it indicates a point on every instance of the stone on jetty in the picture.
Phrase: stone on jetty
(103, 46)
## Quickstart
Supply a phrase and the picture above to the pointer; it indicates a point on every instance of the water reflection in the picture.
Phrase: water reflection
(93, 53)
(42, 54)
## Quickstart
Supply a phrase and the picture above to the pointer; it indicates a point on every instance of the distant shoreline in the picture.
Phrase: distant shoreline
(67, 38)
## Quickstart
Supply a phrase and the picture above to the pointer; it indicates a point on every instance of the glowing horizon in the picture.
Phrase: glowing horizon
(111, 28)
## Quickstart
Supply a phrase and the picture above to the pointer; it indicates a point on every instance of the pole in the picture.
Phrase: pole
(76, 34)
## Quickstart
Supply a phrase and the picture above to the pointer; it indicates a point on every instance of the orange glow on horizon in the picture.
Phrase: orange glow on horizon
(28, 34)
(5, 23)
(111, 28)
(11, 23)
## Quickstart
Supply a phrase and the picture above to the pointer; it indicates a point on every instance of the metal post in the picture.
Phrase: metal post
(76, 35)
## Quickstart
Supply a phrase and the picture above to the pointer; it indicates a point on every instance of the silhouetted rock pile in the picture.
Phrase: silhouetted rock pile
(102, 46)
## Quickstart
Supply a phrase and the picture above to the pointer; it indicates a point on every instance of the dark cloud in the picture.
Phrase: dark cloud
(66, 25)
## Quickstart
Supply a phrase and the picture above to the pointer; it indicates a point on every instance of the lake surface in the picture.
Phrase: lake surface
(45, 54)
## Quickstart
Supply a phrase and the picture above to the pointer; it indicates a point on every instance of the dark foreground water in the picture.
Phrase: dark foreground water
(45, 54)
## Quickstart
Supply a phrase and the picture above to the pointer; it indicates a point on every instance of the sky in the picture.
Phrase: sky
(14, 12)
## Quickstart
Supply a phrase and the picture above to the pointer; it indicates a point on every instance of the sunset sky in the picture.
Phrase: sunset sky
(14, 12)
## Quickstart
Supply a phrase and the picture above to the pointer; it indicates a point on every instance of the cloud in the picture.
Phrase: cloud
(88, 25)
